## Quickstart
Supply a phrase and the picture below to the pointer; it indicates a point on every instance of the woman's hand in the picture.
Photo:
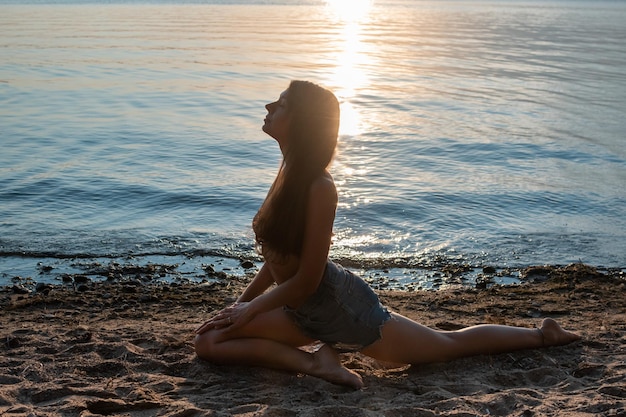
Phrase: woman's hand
(230, 318)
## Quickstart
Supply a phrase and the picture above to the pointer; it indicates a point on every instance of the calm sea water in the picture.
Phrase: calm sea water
(473, 132)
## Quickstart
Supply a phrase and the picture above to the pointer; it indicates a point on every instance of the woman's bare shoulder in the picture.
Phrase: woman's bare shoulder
(323, 187)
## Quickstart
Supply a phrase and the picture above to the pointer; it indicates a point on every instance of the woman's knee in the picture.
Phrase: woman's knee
(206, 347)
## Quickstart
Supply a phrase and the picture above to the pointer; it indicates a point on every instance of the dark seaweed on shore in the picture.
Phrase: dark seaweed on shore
(136, 285)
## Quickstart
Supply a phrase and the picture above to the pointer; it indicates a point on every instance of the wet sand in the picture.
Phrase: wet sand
(124, 348)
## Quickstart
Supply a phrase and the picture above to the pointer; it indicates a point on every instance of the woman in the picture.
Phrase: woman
(315, 299)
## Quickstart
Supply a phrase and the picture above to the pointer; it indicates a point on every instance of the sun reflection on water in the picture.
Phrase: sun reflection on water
(350, 10)
(349, 74)
(349, 77)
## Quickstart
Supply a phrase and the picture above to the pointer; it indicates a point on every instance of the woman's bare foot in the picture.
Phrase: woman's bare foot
(555, 335)
(328, 366)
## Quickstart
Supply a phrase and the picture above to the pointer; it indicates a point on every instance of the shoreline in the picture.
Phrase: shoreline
(119, 348)
(25, 273)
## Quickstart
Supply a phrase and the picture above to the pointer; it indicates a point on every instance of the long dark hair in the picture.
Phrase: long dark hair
(313, 129)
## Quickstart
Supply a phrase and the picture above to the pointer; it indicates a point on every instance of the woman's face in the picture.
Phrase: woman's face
(277, 119)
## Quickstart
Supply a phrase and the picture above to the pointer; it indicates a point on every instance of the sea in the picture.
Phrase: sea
(478, 137)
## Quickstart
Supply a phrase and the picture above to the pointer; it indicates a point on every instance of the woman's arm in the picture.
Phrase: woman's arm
(261, 282)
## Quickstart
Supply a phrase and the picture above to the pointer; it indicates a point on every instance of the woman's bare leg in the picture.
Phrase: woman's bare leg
(405, 341)
(271, 340)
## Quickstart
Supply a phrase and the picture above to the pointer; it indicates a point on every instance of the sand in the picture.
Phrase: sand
(119, 348)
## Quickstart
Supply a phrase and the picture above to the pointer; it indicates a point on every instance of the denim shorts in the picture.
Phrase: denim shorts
(344, 312)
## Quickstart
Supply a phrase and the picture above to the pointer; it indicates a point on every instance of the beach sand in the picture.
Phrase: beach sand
(118, 348)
